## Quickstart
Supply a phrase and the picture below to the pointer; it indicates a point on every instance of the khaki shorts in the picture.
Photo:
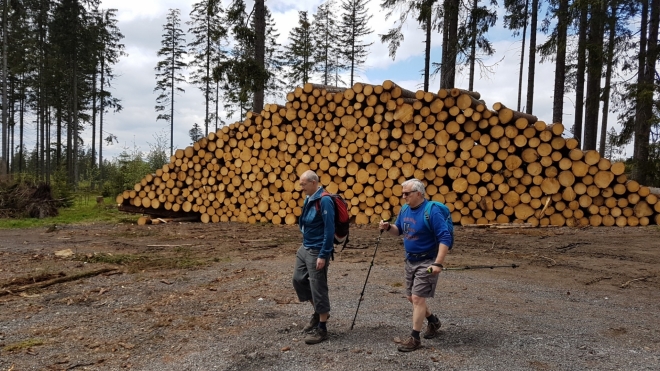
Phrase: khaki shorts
(418, 281)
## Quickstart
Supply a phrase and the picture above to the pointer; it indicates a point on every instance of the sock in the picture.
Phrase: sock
(323, 326)
(415, 334)
(432, 319)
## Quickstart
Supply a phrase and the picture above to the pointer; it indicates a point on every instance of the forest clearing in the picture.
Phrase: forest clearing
(219, 296)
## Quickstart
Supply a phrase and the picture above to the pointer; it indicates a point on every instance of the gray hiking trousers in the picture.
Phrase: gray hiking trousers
(309, 283)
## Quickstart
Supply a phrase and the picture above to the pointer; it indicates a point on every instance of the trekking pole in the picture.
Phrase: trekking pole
(475, 267)
(365, 281)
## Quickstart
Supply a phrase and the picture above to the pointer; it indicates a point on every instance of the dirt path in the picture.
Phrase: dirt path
(207, 297)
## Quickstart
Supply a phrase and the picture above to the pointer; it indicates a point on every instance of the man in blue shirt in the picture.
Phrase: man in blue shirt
(426, 248)
(310, 276)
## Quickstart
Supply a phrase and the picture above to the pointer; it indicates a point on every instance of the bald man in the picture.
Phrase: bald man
(310, 276)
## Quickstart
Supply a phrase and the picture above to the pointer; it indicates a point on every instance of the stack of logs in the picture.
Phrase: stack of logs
(488, 166)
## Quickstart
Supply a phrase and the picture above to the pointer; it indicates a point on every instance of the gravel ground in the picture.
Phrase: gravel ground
(237, 310)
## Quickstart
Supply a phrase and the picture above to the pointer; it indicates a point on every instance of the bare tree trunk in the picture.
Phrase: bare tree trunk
(473, 44)
(58, 150)
(20, 129)
(75, 124)
(101, 112)
(94, 97)
(560, 66)
(217, 103)
(594, 72)
(208, 74)
(448, 68)
(427, 51)
(48, 167)
(643, 127)
(522, 55)
(4, 87)
(608, 79)
(259, 54)
(532, 58)
(581, 67)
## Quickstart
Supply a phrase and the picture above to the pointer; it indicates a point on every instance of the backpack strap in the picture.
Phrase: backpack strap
(427, 218)
(318, 207)
(317, 204)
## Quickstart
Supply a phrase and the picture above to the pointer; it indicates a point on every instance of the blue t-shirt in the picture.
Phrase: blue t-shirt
(417, 238)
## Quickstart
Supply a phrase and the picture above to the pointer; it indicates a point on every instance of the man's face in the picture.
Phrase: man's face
(412, 198)
(308, 187)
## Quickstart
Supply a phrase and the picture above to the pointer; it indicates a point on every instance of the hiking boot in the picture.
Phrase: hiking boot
(432, 330)
(316, 336)
(409, 344)
(313, 323)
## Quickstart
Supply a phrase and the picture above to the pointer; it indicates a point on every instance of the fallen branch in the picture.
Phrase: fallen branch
(187, 244)
(500, 225)
(552, 261)
(596, 280)
(41, 285)
(623, 286)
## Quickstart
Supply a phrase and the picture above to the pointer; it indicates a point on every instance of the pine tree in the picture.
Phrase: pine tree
(169, 71)
(450, 45)
(195, 133)
(72, 37)
(555, 47)
(352, 29)
(207, 29)
(515, 19)
(325, 35)
(239, 70)
(110, 49)
(423, 11)
(472, 37)
(300, 52)
(274, 60)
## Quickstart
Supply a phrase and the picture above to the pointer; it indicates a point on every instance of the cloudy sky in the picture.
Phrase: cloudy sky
(141, 23)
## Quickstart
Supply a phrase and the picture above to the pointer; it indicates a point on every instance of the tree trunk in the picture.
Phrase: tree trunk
(473, 44)
(532, 57)
(641, 65)
(259, 53)
(208, 75)
(594, 72)
(101, 114)
(448, 68)
(645, 99)
(581, 63)
(94, 98)
(75, 124)
(522, 56)
(20, 130)
(5, 81)
(428, 23)
(608, 79)
(560, 65)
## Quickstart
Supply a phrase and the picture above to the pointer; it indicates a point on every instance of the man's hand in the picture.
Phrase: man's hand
(383, 225)
(433, 269)
(320, 264)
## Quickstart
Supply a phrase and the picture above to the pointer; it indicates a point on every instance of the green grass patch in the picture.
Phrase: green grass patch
(84, 210)
(25, 344)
